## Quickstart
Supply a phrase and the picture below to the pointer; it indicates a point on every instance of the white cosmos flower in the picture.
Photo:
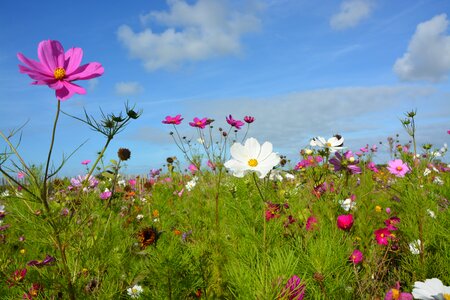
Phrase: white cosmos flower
(252, 157)
(191, 184)
(431, 289)
(348, 204)
(431, 213)
(135, 291)
(414, 247)
(332, 143)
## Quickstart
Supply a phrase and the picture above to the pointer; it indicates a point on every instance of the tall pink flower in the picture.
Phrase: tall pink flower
(234, 123)
(173, 120)
(383, 235)
(200, 123)
(398, 168)
(58, 70)
(249, 119)
(345, 222)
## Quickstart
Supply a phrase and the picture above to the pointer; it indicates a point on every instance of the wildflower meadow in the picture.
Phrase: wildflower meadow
(225, 217)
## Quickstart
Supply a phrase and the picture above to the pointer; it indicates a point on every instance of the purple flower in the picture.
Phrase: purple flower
(48, 260)
(294, 289)
(346, 162)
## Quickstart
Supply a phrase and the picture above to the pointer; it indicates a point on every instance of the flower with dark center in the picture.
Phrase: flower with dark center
(148, 236)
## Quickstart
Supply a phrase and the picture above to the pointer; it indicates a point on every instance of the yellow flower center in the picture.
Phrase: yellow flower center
(447, 296)
(395, 294)
(399, 168)
(134, 290)
(328, 144)
(59, 73)
(252, 162)
(382, 235)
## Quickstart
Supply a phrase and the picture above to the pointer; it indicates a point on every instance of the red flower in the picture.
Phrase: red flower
(383, 236)
(58, 70)
(356, 257)
(173, 120)
(345, 222)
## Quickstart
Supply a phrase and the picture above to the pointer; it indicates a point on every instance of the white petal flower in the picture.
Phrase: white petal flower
(431, 213)
(414, 247)
(139, 217)
(333, 143)
(191, 184)
(426, 172)
(252, 157)
(430, 289)
(347, 204)
(135, 291)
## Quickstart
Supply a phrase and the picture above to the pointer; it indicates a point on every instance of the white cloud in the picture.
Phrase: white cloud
(128, 88)
(351, 13)
(208, 28)
(93, 83)
(428, 55)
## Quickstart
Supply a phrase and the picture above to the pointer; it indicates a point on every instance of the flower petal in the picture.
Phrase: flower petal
(73, 59)
(266, 150)
(237, 167)
(252, 147)
(239, 153)
(68, 90)
(33, 65)
(51, 54)
(87, 71)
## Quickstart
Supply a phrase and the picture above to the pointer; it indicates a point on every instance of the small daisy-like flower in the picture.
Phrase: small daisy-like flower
(356, 257)
(431, 213)
(414, 247)
(139, 217)
(135, 291)
(431, 289)
(348, 204)
(398, 168)
(332, 144)
(252, 157)
(148, 236)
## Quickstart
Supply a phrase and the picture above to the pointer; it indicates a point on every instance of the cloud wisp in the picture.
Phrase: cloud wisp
(428, 54)
(128, 88)
(351, 13)
(205, 29)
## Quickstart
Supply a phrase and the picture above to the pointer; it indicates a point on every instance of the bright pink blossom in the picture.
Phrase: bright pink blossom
(173, 120)
(395, 294)
(193, 168)
(398, 168)
(85, 162)
(294, 289)
(234, 123)
(311, 223)
(105, 195)
(345, 222)
(249, 119)
(383, 236)
(199, 123)
(58, 70)
(356, 257)
(20, 175)
(372, 166)
(391, 222)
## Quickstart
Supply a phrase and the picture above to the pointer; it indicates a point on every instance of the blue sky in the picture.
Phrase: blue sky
(302, 68)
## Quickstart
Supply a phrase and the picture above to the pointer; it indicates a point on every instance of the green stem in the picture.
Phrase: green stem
(44, 192)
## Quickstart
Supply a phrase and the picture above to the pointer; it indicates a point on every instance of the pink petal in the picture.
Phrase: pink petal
(87, 71)
(58, 84)
(32, 64)
(51, 54)
(36, 75)
(68, 90)
(73, 59)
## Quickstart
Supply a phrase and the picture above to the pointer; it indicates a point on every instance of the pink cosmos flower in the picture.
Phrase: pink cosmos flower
(85, 162)
(193, 168)
(294, 289)
(58, 70)
(48, 260)
(199, 123)
(356, 257)
(20, 175)
(391, 222)
(398, 168)
(395, 294)
(249, 119)
(374, 148)
(372, 166)
(105, 195)
(234, 123)
(345, 222)
(448, 131)
(17, 277)
(132, 182)
(383, 236)
(346, 162)
(311, 223)
(211, 165)
(173, 120)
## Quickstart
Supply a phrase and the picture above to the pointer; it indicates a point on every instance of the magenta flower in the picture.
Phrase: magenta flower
(173, 120)
(372, 166)
(356, 257)
(395, 294)
(199, 123)
(85, 162)
(249, 119)
(294, 289)
(132, 182)
(48, 260)
(383, 236)
(211, 165)
(391, 222)
(311, 223)
(105, 195)
(58, 70)
(17, 277)
(345, 222)
(193, 168)
(398, 168)
(20, 175)
(234, 123)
